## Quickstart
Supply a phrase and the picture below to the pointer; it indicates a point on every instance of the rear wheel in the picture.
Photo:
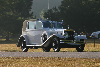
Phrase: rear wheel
(55, 44)
(23, 45)
(80, 48)
(44, 38)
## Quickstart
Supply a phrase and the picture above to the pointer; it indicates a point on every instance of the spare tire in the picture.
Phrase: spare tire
(56, 45)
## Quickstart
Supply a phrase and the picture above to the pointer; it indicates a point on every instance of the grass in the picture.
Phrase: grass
(49, 61)
(11, 41)
(10, 46)
(89, 47)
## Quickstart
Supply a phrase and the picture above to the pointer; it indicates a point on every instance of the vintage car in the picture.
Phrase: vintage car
(96, 34)
(48, 34)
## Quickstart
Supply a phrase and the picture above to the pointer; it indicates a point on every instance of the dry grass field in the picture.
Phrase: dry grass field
(49, 61)
(89, 47)
(10, 46)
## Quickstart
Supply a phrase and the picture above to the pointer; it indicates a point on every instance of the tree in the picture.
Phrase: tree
(24, 8)
(13, 13)
(52, 14)
(82, 16)
(42, 13)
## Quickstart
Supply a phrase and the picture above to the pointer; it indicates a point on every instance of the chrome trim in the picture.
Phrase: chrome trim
(33, 45)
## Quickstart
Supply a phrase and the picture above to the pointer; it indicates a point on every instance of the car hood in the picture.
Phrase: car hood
(52, 31)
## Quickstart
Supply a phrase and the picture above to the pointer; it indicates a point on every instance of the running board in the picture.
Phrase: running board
(33, 45)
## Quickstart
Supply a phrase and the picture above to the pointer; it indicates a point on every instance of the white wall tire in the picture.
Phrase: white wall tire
(23, 44)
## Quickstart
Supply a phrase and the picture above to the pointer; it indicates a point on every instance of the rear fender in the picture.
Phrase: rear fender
(21, 38)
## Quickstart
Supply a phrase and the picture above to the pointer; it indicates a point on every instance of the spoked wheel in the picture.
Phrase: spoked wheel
(44, 38)
(55, 45)
(23, 46)
(80, 48)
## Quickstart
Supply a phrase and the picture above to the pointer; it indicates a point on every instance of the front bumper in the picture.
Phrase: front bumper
(71, 42)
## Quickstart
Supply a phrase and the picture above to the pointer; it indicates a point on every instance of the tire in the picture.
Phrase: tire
(56, 45)
(23, 45)
(45, 49)
(80, 48)
(44, 38)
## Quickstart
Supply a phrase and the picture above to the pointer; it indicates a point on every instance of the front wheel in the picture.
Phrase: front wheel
(80, 48)
(55, 44)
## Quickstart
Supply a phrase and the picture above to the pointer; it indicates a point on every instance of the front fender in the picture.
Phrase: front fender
(49, 41)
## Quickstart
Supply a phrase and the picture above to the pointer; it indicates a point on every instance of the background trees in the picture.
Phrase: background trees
(80, 15)
(24, 7)
(12, 14)
(52, 14)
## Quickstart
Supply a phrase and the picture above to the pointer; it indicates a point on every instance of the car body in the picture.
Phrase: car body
(95, 34)
(48, 34)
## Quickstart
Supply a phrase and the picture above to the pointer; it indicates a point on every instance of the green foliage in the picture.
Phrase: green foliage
(52, 14)
(23, 7)
(12, 15)
(80, 15)
(42, 13)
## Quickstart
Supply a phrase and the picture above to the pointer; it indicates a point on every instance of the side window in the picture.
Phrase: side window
(39, 25)
(30, 25)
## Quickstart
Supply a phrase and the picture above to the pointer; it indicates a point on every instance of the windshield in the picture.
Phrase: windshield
(59, 25)
(46, 24)
(52, 25)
